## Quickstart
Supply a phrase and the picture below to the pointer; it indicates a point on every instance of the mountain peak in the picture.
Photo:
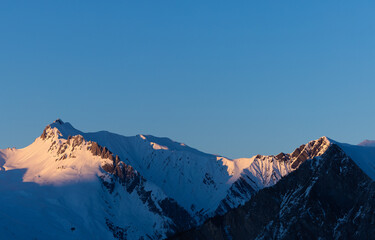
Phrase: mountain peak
(65, 129)
(367, 143)
(58, 121)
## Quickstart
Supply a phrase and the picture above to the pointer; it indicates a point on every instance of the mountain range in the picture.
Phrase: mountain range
(69, 184)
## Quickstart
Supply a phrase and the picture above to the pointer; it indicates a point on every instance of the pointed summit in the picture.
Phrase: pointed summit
(65, 129)
(59, 121)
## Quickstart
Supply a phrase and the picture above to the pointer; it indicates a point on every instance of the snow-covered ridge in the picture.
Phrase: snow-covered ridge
(202, 183)
(66, 130)
(278, 165)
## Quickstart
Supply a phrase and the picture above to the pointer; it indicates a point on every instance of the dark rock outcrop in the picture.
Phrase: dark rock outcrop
(48, 133)
(118, 232)
(98, 150)
(308, 151)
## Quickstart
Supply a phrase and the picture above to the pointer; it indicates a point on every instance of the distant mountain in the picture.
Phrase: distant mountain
(329, 197)
(367, 143)
(73, 185)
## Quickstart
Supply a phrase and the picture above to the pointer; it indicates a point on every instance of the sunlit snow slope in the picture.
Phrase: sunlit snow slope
(71, 188)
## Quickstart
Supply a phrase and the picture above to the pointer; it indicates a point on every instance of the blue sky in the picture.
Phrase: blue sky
(235, 78)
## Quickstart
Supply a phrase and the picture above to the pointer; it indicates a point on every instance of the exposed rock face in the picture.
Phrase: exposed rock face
(48, 133)
(308, 151)
(98, 150)
(328, 197)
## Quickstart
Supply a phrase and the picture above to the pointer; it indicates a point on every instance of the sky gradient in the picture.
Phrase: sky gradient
(235, 78)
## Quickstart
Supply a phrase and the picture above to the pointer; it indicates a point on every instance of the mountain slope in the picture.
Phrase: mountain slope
(329, 197)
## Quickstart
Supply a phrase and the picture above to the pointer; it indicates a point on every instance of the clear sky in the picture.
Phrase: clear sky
(235, 78)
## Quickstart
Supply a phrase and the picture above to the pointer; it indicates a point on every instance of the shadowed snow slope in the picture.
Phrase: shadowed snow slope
(363, 156)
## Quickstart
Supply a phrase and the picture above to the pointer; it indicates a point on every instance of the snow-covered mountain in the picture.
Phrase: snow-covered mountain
(71, 188)
(331, 196)
(102, 185)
